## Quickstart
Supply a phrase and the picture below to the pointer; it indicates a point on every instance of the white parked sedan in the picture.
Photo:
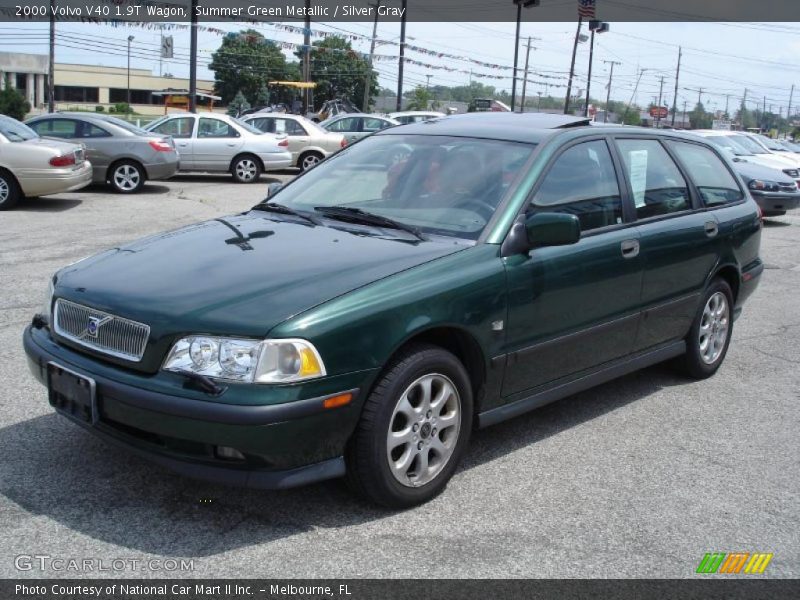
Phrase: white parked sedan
(415, 116)
(31, 166)
(212, 142)
(308, 142)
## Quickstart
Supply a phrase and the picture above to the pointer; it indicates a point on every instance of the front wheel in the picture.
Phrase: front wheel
(413, 430)
(246, 169)
(710, 336)
(9, 191)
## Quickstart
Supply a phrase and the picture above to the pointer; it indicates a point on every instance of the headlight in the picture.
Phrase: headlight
(48, 301)
(249, 361)
(763, 185)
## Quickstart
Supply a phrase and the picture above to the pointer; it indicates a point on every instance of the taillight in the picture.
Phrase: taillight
(284, 143)
(343, 142)
(63, 161)
(160, 146)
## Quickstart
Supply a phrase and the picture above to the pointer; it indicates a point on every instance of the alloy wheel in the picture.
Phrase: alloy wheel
(127, 177)
(246, 169)
(309, 161)
(5, 190)
(424, 429)
(714, 328)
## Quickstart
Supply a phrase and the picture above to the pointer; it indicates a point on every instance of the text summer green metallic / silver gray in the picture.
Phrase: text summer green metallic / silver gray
(427, 280)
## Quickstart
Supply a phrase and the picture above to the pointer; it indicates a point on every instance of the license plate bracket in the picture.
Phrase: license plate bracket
(72, 394)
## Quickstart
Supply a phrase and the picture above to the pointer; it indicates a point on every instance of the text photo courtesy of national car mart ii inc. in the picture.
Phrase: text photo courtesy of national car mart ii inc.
(193, 590)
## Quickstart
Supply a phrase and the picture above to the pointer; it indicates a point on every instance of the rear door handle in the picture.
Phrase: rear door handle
(630, 248)
(711, 228)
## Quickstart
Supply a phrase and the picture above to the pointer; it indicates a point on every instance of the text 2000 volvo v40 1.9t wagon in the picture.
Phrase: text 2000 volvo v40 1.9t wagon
(427, 280)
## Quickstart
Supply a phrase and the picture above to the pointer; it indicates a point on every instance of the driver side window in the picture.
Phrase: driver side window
(583, 182)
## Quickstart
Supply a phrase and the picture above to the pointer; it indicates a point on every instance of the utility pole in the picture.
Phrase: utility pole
(610, 79)
(727, 98)
(789, 110)
(660, 96)
(685, 102)
(525, 81)
(633, 95)
(677, 78)
(589, 75)
(193, 59)
(368, 80)
(306, 55)
(51, 106)
(402, 59)
(572, 66)
(428, 82)
(516, 57)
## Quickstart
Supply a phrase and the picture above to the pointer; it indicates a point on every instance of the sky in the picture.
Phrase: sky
(721, 58)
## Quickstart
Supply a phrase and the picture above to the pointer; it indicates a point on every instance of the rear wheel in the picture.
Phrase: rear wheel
(10, 193)
(127, 177)
(246, 169)
(413, 430)
(710, 336)
(308, 160)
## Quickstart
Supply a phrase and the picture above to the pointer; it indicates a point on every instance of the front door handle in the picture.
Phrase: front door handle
(711, 228)
(630, 248)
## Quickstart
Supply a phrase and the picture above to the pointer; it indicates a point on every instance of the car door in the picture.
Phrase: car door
(297, 136)
(181, 129)
(215, 144)
(349, 127)
(574, 307)
(678, 241)
(102, 148)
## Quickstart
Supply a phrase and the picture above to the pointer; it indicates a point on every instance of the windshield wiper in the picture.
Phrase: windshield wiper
(286, 210)
(357, 215)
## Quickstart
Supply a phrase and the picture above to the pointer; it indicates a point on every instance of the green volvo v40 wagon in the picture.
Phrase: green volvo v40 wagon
(430, 279)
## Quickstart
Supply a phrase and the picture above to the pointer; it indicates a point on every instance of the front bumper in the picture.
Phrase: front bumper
(285, 445)
(775, 203)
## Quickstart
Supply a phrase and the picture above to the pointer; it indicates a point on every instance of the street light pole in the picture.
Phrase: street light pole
(596, 27)
(520, 5)
(608, 94)
(130, 39)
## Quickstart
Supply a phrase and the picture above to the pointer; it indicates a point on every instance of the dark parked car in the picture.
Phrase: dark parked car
(366, 317)
(121, 154)
(773, 191)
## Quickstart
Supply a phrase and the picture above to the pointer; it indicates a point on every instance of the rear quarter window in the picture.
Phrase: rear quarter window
(712, 178)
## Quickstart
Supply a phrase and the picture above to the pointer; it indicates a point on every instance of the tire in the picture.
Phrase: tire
(710, 335)
(10, 193)
(127, 177)
(398, 404)
(308, 160)
(246, 168)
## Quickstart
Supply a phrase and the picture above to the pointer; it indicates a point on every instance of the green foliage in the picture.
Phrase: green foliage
(238, 105)
(13, 103)
(420, 99)
(262, 96)
(699, 118)
(121, 108)
(244, 62)
(339, 71)
(99, 108)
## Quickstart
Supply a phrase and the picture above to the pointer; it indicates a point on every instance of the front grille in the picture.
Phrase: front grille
(100, 330)
(787, 187)
(793, 173)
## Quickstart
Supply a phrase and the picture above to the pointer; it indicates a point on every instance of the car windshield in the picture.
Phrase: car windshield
(14, 131)
(438, 185)
(751, 145)
(729, 143)
(770, 143)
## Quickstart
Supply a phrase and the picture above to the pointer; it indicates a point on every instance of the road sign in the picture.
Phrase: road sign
(722, 125)
(659, 112)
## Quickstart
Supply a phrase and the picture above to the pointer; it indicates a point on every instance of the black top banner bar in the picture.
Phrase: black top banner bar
(180, 11)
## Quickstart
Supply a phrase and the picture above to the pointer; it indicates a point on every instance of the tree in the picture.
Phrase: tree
(699, 118)
(244, 62)
(238, 105)
(262, 97)
(339, 71)
(13, 103)
(420, 99)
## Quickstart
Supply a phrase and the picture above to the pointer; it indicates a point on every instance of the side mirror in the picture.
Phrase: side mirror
(552, 229)
(272, 189)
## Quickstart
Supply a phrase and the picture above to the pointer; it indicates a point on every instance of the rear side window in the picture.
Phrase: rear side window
(177, 128)
(712, 178)
(214, 128)
(582, 182)
(656, 183)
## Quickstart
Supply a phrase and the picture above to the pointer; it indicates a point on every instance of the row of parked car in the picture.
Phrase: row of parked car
(64, 151)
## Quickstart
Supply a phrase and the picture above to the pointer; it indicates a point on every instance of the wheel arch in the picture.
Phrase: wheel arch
(243, 154)
(731, 275)
(118, 159)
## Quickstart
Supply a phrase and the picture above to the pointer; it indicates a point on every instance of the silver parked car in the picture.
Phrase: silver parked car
(354, 126)
(213, 142)
(31, 166)
(121, 154)
(415, 116)
(308, 142)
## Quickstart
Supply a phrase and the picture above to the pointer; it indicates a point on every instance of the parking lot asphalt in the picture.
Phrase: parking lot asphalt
(637, 478)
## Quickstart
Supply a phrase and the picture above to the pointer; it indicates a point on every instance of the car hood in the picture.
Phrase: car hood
(238, 276)
(750, 170)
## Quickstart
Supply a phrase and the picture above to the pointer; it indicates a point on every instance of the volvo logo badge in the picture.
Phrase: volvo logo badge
(94, 325)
